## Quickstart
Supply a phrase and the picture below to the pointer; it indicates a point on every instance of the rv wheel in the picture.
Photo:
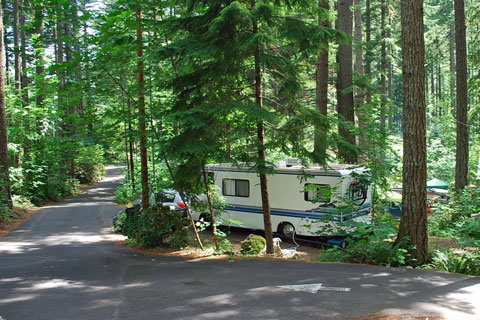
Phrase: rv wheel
(286, 229)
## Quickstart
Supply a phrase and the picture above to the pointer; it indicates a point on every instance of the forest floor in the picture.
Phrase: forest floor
(301, 254)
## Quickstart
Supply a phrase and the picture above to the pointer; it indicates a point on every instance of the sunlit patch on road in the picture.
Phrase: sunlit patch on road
(62, 239)
(312, 288)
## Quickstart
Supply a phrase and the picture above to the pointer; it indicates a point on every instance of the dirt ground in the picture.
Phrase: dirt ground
(290, 253)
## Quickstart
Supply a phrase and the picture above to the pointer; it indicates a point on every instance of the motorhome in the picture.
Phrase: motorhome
(304, 200)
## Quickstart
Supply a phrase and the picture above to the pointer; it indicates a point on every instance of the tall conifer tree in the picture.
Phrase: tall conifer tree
(413, 222)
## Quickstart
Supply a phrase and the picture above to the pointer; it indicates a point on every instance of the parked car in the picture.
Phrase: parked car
(169, 198)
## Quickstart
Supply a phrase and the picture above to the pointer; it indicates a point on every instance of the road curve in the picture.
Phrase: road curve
(64, 263)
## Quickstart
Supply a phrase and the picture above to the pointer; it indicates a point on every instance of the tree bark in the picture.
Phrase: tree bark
(413, 223)
(39, 61)
(461, 167)
(359, 68)
(344, 85)
(451, 49)
(383, 69)
(131, 145)
(16, 46)
(261, 150)
(5, 193)
(368, 51)
(24, 86)
(321, 92)
(60, 72)
(142, 114)
(210, 207)
(24, 75)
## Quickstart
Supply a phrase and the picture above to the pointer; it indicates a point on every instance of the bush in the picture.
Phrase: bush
(372, 244)
(124, 194)
(153, 226)
(89, 164)
(59, 187)
(444, 260)
(252, 245)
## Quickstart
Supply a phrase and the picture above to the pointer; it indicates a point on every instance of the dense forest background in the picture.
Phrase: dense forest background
(168, 86)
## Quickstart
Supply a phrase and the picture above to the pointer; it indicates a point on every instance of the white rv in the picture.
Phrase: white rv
(303, 200)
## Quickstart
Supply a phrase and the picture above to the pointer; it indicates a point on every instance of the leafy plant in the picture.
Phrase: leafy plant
(153, 226)
(89, 164)
(226, 247)
(125, 193)
(252, 245)
(371, 244)
(466, 263)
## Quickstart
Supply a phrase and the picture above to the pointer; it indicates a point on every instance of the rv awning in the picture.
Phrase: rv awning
(437, 184)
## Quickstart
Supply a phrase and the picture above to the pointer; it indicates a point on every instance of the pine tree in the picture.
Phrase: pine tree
(5, 194)
(461, 164)
(413, 222)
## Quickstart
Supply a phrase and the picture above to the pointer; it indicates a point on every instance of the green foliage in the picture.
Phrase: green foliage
(60, 186)
(226, 247)
(126, 193)
(459, 218)
(372, 244)
(153, 226)
(466, 202)
(252, 245)
(89, 164)
(445, 260)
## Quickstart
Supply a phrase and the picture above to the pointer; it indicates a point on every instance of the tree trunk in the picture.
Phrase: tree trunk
(131, 145)
(16, 46)
(5, 41)
(187, 207)
(368, 51)
(360, 96)
(346, 148)
(142, 114)
(261, 150)
(321, 97)
(432, 81)
(5, 194)
(24, 86)
(413, 223)
(451, 49)
(461, 167)
(39, 62)
(24, 75)
(383, 70)
(210, 207)
(60, 61)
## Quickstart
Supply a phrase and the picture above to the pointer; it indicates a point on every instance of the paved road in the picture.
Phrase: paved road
(65, 264)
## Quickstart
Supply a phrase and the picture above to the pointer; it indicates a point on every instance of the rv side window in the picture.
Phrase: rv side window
(236, 188)
(318, 193)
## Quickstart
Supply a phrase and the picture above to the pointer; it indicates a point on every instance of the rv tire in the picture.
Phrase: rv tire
(287, 229)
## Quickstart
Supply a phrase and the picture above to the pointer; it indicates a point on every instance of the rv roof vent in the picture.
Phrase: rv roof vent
(290, 162)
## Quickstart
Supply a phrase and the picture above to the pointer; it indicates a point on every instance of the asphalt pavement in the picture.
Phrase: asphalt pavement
(64, 263)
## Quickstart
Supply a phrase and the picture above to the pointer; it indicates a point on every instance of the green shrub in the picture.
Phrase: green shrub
(153, 226)
(89, 164)
(59, 187)
(371, 244)
(125, 193)
(444, 260)
(252, 245)
(226, 247)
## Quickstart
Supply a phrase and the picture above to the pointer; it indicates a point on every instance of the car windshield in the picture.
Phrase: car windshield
(165, 197)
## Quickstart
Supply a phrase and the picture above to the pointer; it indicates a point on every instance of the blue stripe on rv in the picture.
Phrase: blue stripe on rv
(326, 215)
